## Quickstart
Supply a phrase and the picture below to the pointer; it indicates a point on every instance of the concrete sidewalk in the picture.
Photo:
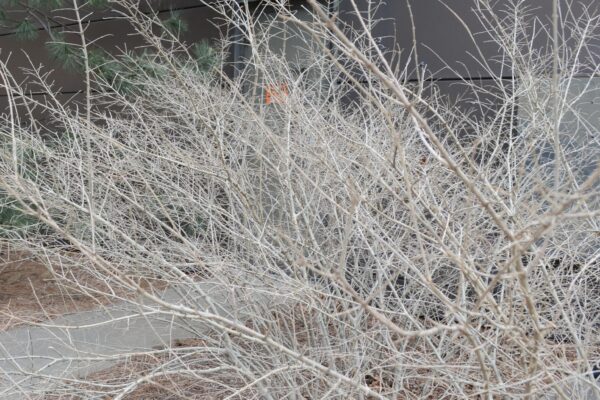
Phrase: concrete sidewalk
(33, 357)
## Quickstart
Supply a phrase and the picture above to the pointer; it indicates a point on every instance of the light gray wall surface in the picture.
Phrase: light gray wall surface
(450, 36)
(451, 42)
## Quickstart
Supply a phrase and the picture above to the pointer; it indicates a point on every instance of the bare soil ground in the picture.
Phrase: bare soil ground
(177, 385)
(29, 291)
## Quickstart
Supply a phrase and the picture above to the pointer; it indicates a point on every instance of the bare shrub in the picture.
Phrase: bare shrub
(372, 237)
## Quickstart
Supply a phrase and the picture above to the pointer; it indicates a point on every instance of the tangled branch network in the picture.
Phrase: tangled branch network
(369, 236)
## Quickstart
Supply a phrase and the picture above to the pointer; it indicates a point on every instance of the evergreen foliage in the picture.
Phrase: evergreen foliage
(36, 15)
(14, 222)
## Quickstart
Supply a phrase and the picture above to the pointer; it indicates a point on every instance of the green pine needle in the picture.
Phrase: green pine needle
(36, 3)
(63, 52)
(98, 3)
(46, 4)
(8, 3)
(175, 24)
(26, 30)
(205, 55)
(54, 4)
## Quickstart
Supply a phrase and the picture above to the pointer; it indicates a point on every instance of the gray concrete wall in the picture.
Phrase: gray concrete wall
(451, 43)
(449, 34)
(448, 38)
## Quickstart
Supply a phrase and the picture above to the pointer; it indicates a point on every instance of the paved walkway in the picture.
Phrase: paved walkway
(33, 357)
